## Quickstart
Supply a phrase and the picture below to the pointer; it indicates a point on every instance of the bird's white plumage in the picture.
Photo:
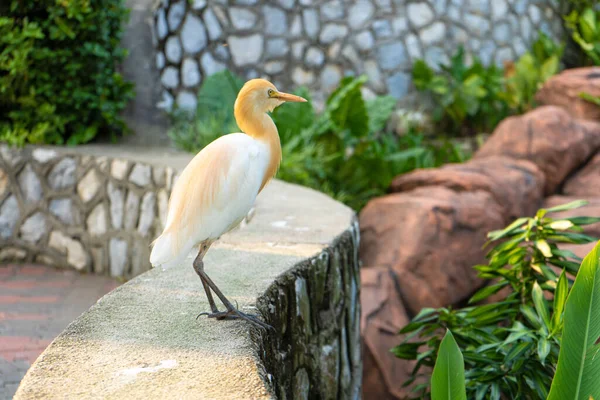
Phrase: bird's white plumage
(213, 194)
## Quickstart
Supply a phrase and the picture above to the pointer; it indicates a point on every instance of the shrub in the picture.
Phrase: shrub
(511, 346)
(343, 151)
(58, 76)
(584, 26)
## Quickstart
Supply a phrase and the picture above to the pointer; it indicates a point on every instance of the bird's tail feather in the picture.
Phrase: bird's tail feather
(167, 250)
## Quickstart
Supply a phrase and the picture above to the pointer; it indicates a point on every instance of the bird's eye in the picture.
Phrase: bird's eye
(270, 92)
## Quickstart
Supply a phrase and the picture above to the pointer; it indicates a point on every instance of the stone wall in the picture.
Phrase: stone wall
(94, 214)
(316, 43)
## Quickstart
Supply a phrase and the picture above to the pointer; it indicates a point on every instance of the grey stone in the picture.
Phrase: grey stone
(298, 49)
(434, 33)
(345, 377)
(30, 185)
(519, 46)
(481, 7)
(97, 221)
(34, 228)
(139, 258)
(132, 207)
(173, 49)
(9, 215)
(140, 175)
(454, 14)
(221, 53)
(274, 67)
(190, 74)
(331, 76)
(246, 50)
(44, 155)
(486, 52)
(314, 57)
(62, 175)
(502, 33)
(391, 55)
(3, 182)
(364, 40)
(296, 26)
(351, 55)
(334, 50)
(158, 175)
(398, 84)
(435, 56)
(118, 256)
(242, 18)
(98, 260)
(520, 6)
(332, 32)
(170, 77)
(163, 207)
(276, 48)
(176, 14)
(161, 24)
(12, 254)
(459, 35)
(440, 6)
(329, 363)
(89, 185)
(382, 28)
(11, 155)
(374, 75)
(287, 4)
(147, 213)
(160, 61)
(311, 22)
(193, 35)
(275, 20)
(499, 9)
(210, 65)
(212, 24)
(504, 54)
(302, 77)
(118, 169)
(332, 10)
(399, 25)
(76, 254)
(360, 14)
(64, 210)
(477, 25)
(116, 197)
(187, 101)
(535, 14)
(420, 14)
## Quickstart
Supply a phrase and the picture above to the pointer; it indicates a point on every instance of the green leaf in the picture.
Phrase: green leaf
(346, 107)
(495, 235)
(543, 349)
(544, 247)
(578, 366)
(560, 298)
(540, 304)
(487, 291)
(448, 378)
(379, 111)
(569, 206)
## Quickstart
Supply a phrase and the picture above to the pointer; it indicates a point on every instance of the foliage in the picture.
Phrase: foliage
(585, 31)
(510, 346)
(528, 74)
(466, 97)
(578, 362)
(448, 377)
(471, 99)
(342, 151)
(590, 98)
(578, 365)
(58, 76)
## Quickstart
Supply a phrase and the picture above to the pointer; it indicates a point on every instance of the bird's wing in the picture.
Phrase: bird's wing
(213, 193)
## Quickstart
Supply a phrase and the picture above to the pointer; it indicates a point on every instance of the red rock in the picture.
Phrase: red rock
(586, 181)
(550, 138)
(431, 238)
(516, 185)
(564, 89)
(383, 315)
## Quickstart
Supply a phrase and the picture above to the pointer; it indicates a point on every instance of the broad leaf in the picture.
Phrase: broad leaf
(448, 378)
(568, 206)
(578, 370)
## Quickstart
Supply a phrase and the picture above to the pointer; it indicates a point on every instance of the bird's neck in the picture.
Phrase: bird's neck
(261, 127)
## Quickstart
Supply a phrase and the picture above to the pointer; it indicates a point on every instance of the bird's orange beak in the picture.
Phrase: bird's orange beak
(290, 97)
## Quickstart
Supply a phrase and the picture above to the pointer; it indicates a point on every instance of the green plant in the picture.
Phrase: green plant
(578, 365)
(585, 31)
(343, 151)
(510, 346)
(528, 74)
(466, 97)
(590, 98)
(58, 70)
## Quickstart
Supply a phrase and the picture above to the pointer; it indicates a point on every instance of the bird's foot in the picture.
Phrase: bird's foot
(237, 314)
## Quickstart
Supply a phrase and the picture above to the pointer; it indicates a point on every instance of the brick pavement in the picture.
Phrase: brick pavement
(36, 304)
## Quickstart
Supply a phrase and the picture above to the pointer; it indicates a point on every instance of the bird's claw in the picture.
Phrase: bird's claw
(237, 314)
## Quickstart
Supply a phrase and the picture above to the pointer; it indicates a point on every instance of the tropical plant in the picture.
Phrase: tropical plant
(58, 70)
(466, 97)
(585, 31)
(343, 151)
(578, 362)
(510, 346)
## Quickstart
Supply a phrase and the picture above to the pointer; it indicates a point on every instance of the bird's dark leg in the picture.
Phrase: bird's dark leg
(232, 312)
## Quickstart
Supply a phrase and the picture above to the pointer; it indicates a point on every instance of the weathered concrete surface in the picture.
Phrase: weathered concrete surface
(143, 341)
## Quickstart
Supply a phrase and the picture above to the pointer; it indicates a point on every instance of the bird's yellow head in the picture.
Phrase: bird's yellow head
(260, 96)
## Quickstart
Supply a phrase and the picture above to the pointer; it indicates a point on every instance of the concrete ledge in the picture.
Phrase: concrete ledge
(295, 262)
